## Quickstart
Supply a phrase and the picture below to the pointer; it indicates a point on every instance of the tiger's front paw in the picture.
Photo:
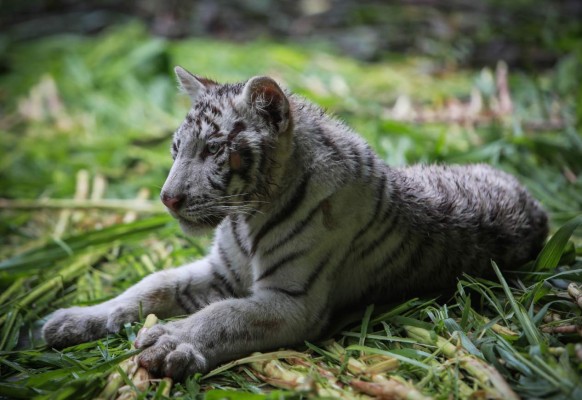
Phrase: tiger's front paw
(75, 325)
(167, 352)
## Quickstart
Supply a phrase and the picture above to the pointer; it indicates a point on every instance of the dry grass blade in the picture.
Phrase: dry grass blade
(387, 387)
(131, 369)
(274, 373)
(502, 330)
(255, 358)
(487, 376)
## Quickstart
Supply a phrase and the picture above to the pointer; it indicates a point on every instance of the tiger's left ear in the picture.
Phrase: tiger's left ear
(264, 96)
(192, 85)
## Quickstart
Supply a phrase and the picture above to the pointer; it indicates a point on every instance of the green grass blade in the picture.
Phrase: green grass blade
(365, 322)
(44, 257)
(529, 329)
(549, 257)
(407, 360)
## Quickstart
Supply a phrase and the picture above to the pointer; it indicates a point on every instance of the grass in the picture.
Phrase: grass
(85, 135)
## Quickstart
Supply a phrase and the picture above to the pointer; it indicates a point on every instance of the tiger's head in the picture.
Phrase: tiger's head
(228, 151)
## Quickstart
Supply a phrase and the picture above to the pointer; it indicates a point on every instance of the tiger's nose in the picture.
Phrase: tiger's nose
(173, 203)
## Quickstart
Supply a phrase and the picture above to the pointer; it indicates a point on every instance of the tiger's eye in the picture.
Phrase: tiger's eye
(212, 148)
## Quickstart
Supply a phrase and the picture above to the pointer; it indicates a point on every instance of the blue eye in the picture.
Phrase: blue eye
(212, 147)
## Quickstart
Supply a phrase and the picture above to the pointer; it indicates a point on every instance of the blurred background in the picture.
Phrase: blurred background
(525, 33)
(88, 101)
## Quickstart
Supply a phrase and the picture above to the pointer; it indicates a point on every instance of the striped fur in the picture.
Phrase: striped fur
(308, 220)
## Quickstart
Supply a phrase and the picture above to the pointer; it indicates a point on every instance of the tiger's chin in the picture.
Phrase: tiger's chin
(196, 228)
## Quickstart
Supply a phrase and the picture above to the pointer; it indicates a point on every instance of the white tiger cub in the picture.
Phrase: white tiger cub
(309, 221)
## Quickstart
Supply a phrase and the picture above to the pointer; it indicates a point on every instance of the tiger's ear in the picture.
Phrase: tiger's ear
(262, 94)
(192, 85)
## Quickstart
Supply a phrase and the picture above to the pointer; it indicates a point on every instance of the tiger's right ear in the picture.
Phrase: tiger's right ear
(265, 96)
(192, 85)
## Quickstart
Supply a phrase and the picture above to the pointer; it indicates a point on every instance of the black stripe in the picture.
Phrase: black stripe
(342, 263)
(247, 161)
(290, 293)
(224, 281)
(297, 229)
(258, 163)
(186, 307)
(389, 219)
(216, 134)
(215, 185)
(263, 160)
(237, 238)
(337, 154)
(357, 158)
(315, 274)
(308, 284)
(282, 262)
(186, 300)
(386, 273)
(219, 290)
(264, 183)
(381, 238)
(227, 177)
(226, 262)
(353, 245)
(237, 128)
(379, 202)
(198, 123)
(252, 184)
(284, 213)
(370, 158)
(215, 110)
(394, 255)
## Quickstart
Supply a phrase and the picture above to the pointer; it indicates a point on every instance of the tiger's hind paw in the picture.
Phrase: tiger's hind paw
(168, 353)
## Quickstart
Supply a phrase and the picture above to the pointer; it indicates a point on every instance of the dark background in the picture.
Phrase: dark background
(529, 34)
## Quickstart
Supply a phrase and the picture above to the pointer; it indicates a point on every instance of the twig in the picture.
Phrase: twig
(562, 329)
(142, 195)
(576, 294)
(81, 192)
(138, 206)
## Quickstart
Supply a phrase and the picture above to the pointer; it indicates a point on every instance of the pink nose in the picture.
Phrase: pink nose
(173, 203)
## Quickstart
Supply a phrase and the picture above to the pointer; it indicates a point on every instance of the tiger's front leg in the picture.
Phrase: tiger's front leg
(228, 329)
(179, 291)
